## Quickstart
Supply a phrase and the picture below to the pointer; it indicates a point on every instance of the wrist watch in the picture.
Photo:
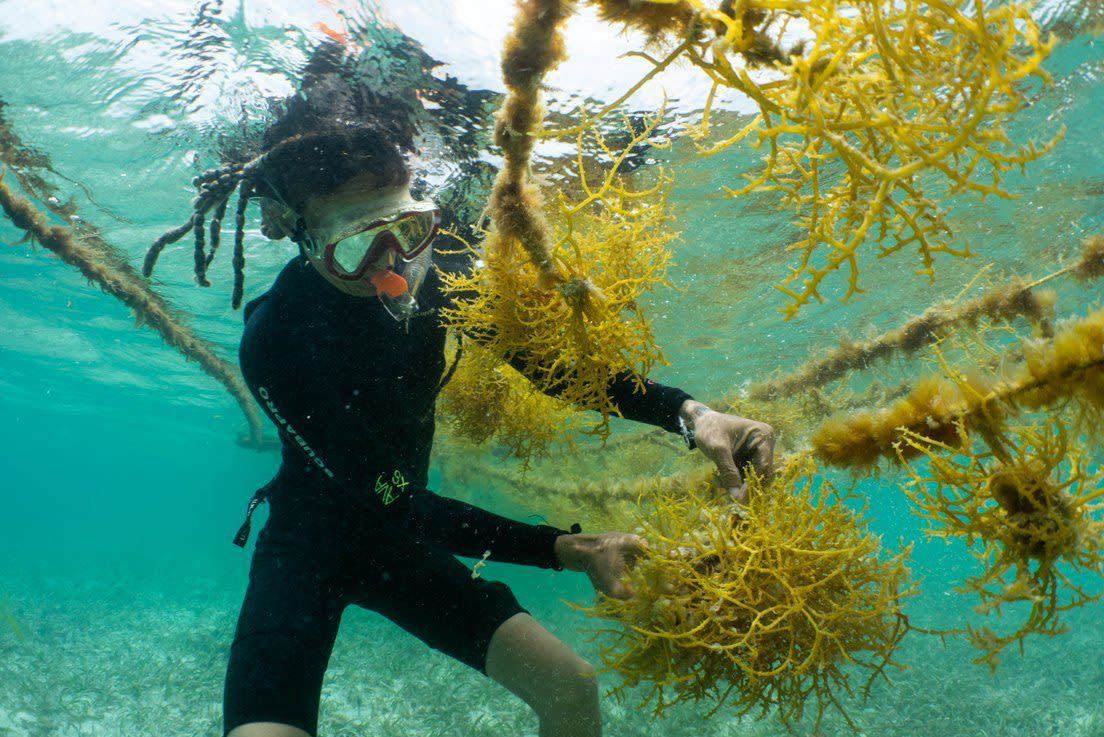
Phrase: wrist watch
(687, 433)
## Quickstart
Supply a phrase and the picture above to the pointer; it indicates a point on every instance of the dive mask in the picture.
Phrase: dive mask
(405, 232)
(397, 243)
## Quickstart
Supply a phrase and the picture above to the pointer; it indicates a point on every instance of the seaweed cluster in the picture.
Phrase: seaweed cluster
(999, 462)
(607, 250)
(1028, 505)
(488, 400)
(880, 111)
(563, 296)
(884, 111)
(757, 608)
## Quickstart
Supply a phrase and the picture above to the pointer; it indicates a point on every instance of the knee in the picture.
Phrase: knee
(535, 665)
(576, 687)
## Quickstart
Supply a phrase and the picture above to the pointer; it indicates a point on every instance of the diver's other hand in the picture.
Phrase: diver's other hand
(732, 443)
(605, 558)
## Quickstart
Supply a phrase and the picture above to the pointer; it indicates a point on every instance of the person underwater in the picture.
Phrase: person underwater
(346, 355)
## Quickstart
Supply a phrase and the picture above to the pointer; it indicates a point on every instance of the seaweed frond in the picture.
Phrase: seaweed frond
(757, 609)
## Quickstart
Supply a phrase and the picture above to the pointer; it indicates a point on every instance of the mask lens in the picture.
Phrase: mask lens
(406, 236)
(413, 231)
(350, 252)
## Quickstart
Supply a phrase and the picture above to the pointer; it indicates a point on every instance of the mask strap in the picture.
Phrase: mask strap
(296, 231)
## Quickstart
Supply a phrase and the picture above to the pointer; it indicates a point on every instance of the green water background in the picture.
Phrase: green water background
(122, 484)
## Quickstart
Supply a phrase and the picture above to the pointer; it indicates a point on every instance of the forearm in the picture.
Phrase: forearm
(466, 530)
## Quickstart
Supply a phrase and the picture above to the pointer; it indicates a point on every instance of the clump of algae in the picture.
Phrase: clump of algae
(1017, 490)
(486, 400)
(880, 111)
(759, 608)
(1029, 506)
(609, 247)
(563, 297)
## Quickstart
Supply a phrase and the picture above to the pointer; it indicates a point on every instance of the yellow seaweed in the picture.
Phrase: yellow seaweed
(1028, 505)
(882, 110)
(609, 250)
(1063, 371)
(757, 609)
(487, 400)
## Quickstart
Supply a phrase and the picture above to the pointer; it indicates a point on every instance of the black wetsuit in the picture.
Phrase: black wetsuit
(352, 391)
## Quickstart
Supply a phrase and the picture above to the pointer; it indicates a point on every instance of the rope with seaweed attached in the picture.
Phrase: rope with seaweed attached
(1003, 304)
(148, 308)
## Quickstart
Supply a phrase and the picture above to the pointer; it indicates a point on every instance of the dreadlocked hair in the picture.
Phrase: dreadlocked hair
(239, 246)
(214, 189)
(334, 130)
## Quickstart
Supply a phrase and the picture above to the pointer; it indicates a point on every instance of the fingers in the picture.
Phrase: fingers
(611, 561)
(620, 590)
(739, 494)
(728, 473)
(745, 443)
(763, 455)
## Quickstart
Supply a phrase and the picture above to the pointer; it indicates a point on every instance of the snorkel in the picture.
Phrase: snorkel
(398, 286)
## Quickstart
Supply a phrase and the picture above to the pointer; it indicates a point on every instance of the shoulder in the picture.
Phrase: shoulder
(280, 317)
(289, 280)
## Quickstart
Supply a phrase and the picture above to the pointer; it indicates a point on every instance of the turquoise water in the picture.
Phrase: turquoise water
(122, 481)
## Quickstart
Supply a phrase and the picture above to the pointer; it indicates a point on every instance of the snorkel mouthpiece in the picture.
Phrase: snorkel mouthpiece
(397, 285)
(389, 284)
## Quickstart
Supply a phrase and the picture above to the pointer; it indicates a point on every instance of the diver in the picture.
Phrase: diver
(346, 355)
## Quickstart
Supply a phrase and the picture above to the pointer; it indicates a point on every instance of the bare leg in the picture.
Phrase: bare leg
(544, 672)
(266, 729)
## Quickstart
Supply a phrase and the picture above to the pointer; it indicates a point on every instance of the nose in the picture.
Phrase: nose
(384, 242)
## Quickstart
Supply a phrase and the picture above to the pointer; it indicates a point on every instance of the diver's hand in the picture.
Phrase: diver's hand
(605, 558)
(732, 443)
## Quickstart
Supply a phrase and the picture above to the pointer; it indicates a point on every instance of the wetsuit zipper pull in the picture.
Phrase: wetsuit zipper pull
(243, 532)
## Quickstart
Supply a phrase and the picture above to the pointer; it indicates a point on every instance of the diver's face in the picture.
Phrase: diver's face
(329, 216)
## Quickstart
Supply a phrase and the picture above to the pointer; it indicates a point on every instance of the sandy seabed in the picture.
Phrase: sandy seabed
(99, 658)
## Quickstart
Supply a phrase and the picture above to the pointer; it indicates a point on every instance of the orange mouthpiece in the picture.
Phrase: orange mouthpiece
(389, 283)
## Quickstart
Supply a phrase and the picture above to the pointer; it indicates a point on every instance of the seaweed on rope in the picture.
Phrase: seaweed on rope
(605, 252)
(1029, 507)
(1002, 304)
(1064, 372)
(879, 112)
(125, 286)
